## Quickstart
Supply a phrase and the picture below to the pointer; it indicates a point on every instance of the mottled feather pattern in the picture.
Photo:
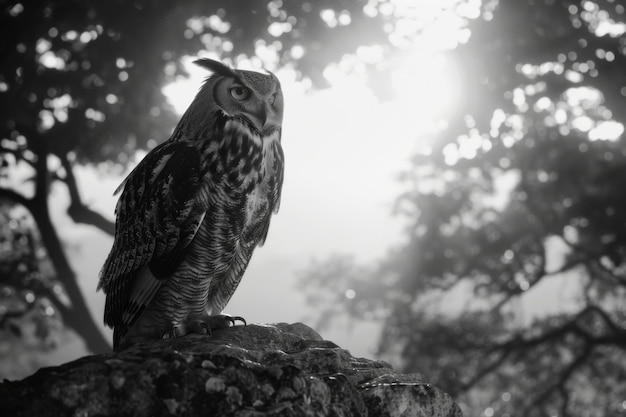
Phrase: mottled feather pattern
(192, 212)
(263, 83)
(154, 219)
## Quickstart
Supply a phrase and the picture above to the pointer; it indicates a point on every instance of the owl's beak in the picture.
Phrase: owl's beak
(272, 119)
(266, 119)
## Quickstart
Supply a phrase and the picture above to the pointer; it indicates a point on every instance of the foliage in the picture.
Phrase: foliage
(30, 327)
(25, 269)
(81, 83)
(90, 73)
(517, 201)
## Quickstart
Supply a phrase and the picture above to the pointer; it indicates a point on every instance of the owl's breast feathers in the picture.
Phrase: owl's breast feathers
(245, 171)
(236, 178)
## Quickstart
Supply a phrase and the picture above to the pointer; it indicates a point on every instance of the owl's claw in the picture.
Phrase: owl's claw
(202, 325)
(222, 321)
(176, 330)
(199, 327)
(235, 319)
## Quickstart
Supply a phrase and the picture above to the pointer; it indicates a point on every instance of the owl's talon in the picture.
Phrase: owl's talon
(199, 327)
(174, 331)
(234, 319)
(206, 325)
(224, 320)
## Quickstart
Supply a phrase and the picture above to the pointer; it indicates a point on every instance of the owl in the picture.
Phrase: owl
(194, 209)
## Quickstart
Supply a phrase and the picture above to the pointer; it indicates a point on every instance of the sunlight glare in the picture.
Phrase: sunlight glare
(608, 130)
(425, 86)
(181, 92)
(344, 146)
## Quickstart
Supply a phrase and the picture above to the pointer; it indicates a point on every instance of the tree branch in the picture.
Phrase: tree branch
(77, 210)
(17, 197)
(520, 343)
(18, 153)
(560, 383)
(532, 281)
(605, 273)
(572, 326)
(78, 316)
(614, 327)
(485, 371)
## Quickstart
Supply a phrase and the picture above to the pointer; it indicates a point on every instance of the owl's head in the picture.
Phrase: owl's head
(253, 97)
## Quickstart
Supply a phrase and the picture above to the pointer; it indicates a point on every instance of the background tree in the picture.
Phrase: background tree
(80, 83)
(519, 199)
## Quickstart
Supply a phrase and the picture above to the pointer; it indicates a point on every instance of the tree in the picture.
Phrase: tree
(519, 195)
(80, 83)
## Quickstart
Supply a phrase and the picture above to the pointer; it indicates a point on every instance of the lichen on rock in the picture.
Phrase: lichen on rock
(243, 371)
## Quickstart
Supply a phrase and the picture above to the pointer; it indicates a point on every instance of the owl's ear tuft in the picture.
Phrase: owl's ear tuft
(215, 67)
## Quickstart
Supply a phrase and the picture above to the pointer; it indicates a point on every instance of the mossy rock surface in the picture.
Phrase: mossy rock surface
(255, 370)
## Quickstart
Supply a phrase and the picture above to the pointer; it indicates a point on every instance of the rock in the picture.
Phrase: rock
(242, 371)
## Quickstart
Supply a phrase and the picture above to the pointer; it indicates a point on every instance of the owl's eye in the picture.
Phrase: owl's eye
(239, 92)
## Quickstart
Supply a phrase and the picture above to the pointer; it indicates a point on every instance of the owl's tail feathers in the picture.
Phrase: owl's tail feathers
(142, 290)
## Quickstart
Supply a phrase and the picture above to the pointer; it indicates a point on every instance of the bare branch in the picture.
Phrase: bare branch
(606, 273)
(19, 154)
(485, 371)
(77, 210)
(560, 383)
(614, 327)
(16, 197)
(532, 281)
(521, 344)
(571, 264)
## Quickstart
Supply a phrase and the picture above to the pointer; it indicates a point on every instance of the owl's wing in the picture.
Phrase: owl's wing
(158, 215)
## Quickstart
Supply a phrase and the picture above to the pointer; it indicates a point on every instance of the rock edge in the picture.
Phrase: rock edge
(255, 370)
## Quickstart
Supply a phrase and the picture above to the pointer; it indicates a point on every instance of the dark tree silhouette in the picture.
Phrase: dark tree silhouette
(80, 83)
(522, 190)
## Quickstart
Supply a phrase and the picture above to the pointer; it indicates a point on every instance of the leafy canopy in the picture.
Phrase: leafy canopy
(85, 77)
(517, 200)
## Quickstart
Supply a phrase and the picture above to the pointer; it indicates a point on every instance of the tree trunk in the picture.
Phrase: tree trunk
(77, 316)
